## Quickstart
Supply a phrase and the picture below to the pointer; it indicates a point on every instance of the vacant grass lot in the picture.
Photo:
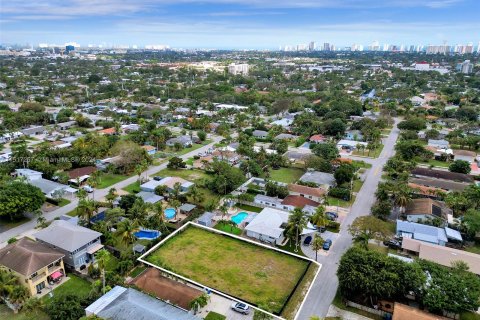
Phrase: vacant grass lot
(109, 179)
(286, 175)
(252, 273)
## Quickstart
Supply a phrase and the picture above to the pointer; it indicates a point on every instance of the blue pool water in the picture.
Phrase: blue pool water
(147, 234)
(306, 145)
(239, 217)
(169, 213)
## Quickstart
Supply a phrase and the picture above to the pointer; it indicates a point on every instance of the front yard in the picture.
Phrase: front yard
(109, 179)
(252, 273)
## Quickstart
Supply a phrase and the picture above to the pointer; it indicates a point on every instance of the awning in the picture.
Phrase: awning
(94, 248)
(56, 275)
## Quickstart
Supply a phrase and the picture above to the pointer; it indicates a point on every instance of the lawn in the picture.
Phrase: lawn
(357, 185)
(373, 154)
(109, 179)
(215, 316)
(228, 228)
(437, 163)
(187, 174)
(133, 187)
(249, 272)
(286, 175)
(248, 208)
(74, 285)
(6, 313)
(195, 146)
(63, 202)
(135, 272)
(339, 202)
(72, 213)
(473, 249)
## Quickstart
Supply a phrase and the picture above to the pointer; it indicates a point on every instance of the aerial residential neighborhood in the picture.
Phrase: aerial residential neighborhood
(179, 184)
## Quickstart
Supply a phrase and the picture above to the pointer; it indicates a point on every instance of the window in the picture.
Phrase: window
(34, 275)
(50, 265)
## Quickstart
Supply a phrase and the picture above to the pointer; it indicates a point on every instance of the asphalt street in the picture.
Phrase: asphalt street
(323, 290)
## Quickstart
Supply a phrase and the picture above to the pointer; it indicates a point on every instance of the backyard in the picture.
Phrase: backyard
(286, 175)
(249, 272)
(74, 285)
(228, 228)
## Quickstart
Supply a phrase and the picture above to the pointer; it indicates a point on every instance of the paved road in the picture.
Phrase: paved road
(323, 291)
(27, 228)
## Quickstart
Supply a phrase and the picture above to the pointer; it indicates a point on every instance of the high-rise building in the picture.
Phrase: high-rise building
(375, 46)
(311, 46)
(238, 68)
(326, 46)
(438, 49)
(465, 67)
(69, 48)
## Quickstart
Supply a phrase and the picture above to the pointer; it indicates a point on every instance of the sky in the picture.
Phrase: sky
(239, 24)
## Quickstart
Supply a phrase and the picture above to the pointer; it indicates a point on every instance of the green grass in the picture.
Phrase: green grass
(337, 302)
(189, 161)
(290, 247)
(286, 175)
(74, 285)
(7, 314)
(248, 208)
(238, 268)
(215, 316)
(109, 179)
(373, 154)
(187, 174)
(135, 272)
(468, 315)
(133, 187)
(63, 202)
(357, 185)
(111, 264)
(362, 164)
(437, 163)
(72, 213)
(195, 146)
(339, 202)
(473, 249)
(228, 228)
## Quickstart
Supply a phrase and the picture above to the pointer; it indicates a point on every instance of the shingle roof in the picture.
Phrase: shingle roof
(426, 206)
(441, 174)
(126, 303)
(75, 173)
(67, 236)
(318, 178)
(317, 192)
(299, 201)
(27, 256)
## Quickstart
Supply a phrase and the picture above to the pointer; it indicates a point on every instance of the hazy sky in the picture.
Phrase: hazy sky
(239, 23)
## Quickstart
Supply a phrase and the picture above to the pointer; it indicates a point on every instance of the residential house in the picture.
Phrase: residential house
(444, 256)
(229, 156)
(464, 155)
(34, 263)
(149, 197)
(103, 164)
(439, 144)
(321, 179)
(185, 141)
(315, 194)
(285, 123)
(34, 130)
(297, 156)
(286, 136)
(77, 243)
(260, 134)
(317, 138)
(438, 184)
(350, 144)
(127, 303)
(426, 233)
(425, 209)
(65, 125)
(187, 208)
(169, 182)
(151, 150)
(107, 132)
(268, 201)
(50, 189)
(268, 226)
(293, 201)
(446, 180)
(80, 175)
(206, 219)
(355, 135)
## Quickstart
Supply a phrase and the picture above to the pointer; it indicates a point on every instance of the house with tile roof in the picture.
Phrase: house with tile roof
(424, 209)
(315, 194)
(34, 263)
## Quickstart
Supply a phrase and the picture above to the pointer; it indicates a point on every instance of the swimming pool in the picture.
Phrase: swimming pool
(169, 213)
(239, 217)
(147, 234)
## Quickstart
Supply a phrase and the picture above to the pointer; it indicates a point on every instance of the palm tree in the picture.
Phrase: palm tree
(195, 194)
(177, 189)
(111, 196)
(18, 296)
(199, 302)
(319, 218)
(296, 222)
(102, 257)
(93, 182)
(223, 209)
(86, 208)
(126, 230)
(402, 196)
(175, 204)
(317, 244)
(7, 282)
(33, 305)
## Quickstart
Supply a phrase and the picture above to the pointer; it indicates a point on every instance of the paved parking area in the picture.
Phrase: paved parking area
(221, 305)
(309, 252)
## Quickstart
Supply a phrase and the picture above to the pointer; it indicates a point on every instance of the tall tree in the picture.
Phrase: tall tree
(297, 221)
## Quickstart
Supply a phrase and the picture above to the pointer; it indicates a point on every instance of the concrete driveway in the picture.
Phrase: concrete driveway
(222, 305)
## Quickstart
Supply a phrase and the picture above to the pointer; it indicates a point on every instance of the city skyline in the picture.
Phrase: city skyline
(233, 24)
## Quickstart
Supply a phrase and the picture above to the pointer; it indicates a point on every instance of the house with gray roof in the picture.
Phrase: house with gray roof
(149, 197)
(321, 179)
(286, 136)
(260, 134)
(268, 226)
(439, 144)
(127, 303)
(184, 141)
(426, 233)
(206, 219)
(50, 189)
(34, 130)
(79, 244)
(267, 201)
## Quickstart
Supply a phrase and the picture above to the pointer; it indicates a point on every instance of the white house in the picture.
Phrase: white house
(268, 226)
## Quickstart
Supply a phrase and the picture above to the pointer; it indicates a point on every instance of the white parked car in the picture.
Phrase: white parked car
(240, 307)
(88, 188)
